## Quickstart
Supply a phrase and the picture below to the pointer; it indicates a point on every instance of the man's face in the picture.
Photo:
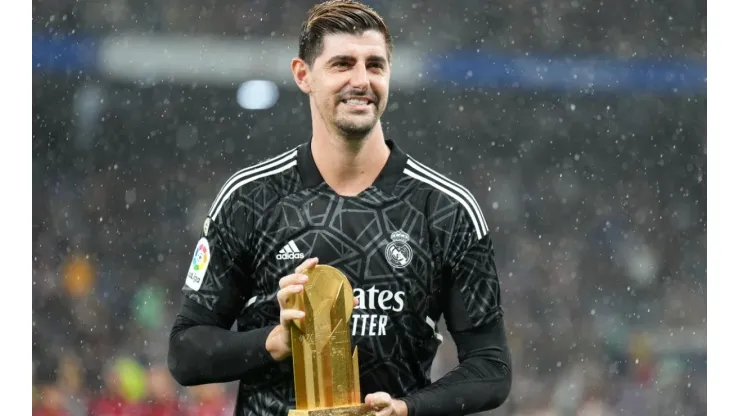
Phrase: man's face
(349, 82)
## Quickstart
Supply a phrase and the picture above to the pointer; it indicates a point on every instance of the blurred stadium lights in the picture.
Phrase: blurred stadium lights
(224, 62)
(257, 95)
(218, 61)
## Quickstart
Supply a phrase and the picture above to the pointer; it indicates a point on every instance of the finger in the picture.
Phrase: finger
(307, 264)
(293, 279)
(356, 302)
(287, 315)
(378, 400)
(286, 292)
(386, 411)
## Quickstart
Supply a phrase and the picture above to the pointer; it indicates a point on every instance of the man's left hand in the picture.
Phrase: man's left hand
(385, 405)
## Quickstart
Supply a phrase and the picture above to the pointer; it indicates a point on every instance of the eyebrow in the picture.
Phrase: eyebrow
(371, 58)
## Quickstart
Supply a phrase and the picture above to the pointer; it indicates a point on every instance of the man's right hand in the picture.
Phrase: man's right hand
(278, 341)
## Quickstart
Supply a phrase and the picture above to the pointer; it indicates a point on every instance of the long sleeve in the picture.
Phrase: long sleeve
(480, 382)
(471, 303)
(203, 350)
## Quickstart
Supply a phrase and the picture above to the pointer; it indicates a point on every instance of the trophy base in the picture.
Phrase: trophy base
(352, 410)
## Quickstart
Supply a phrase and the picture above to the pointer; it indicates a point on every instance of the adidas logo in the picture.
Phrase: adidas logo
(290, 252)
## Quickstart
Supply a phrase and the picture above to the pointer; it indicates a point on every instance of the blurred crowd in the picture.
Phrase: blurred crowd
(597, 203)
(666, 29)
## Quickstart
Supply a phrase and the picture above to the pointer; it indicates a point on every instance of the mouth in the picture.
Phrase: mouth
(358, 102)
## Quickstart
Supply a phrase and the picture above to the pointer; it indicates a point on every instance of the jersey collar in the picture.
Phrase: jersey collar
(386, 180)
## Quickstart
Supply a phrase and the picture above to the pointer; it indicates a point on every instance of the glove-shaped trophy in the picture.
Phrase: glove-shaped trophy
(325, 369)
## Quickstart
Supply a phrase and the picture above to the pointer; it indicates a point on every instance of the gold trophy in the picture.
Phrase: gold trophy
(325, 369)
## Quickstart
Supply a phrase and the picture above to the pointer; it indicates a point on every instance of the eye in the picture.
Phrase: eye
(376, 66)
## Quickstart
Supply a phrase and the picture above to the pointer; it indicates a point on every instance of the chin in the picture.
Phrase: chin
(354, 129)
(354, 133)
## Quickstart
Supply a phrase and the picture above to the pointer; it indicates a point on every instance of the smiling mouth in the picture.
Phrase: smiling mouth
(358, 101)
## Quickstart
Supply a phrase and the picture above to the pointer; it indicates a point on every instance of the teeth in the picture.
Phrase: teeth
(356, 102)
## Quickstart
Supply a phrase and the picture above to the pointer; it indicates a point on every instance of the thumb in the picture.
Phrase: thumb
(379, 399)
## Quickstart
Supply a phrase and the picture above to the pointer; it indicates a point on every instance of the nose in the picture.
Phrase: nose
(359, 78)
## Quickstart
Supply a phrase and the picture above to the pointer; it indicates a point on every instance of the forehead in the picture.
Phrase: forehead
(368, 43)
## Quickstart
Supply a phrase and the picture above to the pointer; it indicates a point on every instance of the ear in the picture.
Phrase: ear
(301, 74)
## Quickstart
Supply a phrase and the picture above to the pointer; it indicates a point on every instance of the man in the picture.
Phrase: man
(414, 245)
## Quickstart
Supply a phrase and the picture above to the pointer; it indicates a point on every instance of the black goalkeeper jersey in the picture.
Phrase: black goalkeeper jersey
(414, 245)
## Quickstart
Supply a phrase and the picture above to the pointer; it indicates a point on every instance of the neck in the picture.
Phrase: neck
(349, 166)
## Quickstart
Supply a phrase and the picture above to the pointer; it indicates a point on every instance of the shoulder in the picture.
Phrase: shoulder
(445, 197)
(266, 177)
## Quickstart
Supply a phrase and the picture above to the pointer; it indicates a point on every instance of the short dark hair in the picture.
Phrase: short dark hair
(338, 16)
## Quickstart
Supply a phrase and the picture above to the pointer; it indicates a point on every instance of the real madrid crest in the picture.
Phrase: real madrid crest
(398, 252)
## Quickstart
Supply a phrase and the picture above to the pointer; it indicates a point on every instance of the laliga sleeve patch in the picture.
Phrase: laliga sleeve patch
(198, 266)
